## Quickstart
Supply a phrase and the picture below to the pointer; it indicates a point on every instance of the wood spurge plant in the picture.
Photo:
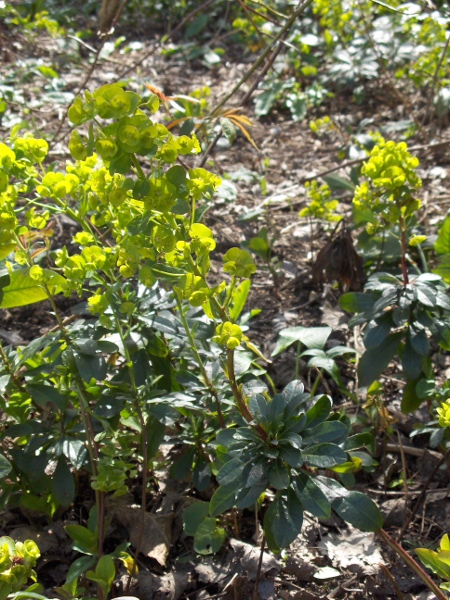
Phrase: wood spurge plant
(178, 365)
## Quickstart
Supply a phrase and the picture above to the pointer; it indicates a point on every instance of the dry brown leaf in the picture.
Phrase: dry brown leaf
(156, 535)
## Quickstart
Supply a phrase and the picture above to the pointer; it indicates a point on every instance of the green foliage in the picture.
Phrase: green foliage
(438, 562)
(399, 320)
(294, 436)
(321, 205)
(17, 560)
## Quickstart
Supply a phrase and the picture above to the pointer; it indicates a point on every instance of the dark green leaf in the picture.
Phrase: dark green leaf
(283, 520)
(319, 411)
(63, 484)
(43, 394)
(194, 515)
(357, 302)
(330, 431)
(222, 499)
(420, 343)
(311, 496)
(208, 538)
(373, 362)
(324, 456)
(5, 467)
(249, 495)
(410, 399)
(358, 510)
(279, 476)
(376, 332)
(411, 361)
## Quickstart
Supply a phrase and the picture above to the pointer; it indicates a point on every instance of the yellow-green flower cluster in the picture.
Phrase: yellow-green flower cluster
(443, 413)
(228, 334)
(391, 166)
(17, 560)
(322, 206)
(392, 179)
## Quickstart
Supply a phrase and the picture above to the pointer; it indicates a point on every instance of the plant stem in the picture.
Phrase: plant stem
(413, 564)
(404, 251)
(199, 362)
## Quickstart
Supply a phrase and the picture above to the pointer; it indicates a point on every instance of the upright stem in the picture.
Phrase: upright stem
(404, 250)
(199, 362)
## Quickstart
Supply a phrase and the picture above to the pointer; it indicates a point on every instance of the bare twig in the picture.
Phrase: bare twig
(258, 572)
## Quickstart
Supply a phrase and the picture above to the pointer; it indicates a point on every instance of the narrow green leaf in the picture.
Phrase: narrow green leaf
(239, 299)
(338, 183)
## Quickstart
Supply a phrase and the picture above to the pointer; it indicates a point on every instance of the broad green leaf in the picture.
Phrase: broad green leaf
(90, 367)
(283, 520)
(311, 496)
(443, 267)
(63, 484)
(209, 538)
(420, 343)
(324, 455)
(23, 289)
(358, 510)
(442, 244)
(194, 515)
(358, 441)
(374, 361)
(231, 472)
(222, 499)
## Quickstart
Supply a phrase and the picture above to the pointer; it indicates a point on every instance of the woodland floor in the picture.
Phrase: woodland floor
(273, 176)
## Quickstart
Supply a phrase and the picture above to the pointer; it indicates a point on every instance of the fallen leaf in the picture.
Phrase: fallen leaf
(156, 535)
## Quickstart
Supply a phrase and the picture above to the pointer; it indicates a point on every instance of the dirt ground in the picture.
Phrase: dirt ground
(329, 559)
